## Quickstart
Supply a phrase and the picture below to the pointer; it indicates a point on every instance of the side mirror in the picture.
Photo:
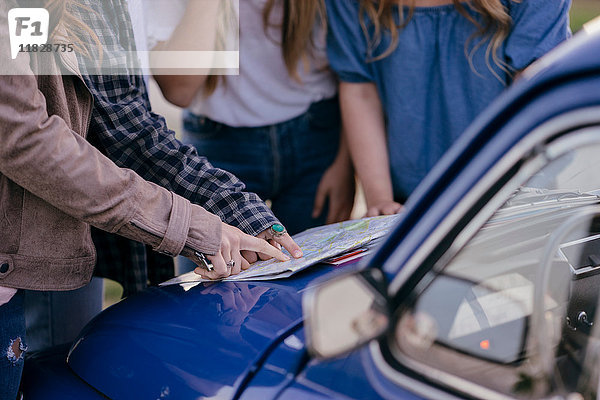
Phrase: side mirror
(345, 313)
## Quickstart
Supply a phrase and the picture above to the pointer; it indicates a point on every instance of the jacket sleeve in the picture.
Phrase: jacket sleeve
(40, 153)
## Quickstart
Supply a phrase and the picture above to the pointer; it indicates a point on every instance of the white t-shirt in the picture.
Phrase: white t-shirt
(263, 93)
(138, 22)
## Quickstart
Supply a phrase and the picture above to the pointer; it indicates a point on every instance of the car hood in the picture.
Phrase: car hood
(190, 340)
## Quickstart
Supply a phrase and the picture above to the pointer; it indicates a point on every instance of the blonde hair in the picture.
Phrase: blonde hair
(62, 17)
(227, 18)
(496, 26)
(297, 27)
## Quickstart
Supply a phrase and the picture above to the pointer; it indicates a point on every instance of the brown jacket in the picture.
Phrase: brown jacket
(54, 184)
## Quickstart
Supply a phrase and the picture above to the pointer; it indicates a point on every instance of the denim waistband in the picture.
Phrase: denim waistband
(194, 123)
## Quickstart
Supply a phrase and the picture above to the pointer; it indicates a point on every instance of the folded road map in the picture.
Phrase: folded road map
(318, 244)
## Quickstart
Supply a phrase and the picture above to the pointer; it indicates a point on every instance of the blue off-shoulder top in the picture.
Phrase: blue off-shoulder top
(430, 89)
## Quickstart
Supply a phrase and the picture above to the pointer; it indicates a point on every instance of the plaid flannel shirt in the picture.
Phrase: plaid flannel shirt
(124, 128)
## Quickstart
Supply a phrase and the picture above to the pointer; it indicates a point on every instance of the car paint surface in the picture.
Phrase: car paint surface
(48, 377)
(353, 376)
(188, 342)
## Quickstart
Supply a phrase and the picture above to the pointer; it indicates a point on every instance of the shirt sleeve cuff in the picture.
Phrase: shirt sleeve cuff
(204, 234)
(173, 226)
(353, 77)
(177, 227)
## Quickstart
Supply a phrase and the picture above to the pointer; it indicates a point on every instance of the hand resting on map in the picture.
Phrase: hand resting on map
(238, 250)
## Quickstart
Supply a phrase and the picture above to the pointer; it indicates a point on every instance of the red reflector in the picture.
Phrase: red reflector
(484, 344)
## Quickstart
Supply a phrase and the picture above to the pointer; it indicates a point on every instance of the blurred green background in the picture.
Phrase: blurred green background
(583, 11)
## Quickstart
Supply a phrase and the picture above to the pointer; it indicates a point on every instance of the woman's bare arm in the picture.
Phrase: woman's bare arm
(362, 114)
(197, 31)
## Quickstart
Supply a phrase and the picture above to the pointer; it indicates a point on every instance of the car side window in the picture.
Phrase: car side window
(513, 312)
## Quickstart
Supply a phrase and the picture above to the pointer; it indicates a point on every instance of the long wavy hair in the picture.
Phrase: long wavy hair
(227, 19)
(495, 25)
(297, 27)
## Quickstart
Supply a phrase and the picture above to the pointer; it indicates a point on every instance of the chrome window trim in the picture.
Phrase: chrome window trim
(587, 116)
(585, 136)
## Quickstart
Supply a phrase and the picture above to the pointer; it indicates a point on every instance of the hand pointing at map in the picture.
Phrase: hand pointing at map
(278, 237)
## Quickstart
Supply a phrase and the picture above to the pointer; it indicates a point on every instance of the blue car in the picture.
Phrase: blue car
(487, 288)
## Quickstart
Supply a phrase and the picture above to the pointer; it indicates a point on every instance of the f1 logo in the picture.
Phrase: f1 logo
(28, 26)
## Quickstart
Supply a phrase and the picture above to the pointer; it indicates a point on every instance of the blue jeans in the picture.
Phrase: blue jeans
(282, 163)
(12, 345)
(55, 318)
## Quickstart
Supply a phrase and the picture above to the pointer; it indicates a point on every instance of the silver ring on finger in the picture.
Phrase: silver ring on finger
(231, 264)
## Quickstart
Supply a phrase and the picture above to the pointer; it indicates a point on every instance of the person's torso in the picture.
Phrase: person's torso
(42, 247)
(264, 93)
(432, 86)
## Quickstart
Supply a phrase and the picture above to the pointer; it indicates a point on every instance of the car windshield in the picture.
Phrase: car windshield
(525, 284)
